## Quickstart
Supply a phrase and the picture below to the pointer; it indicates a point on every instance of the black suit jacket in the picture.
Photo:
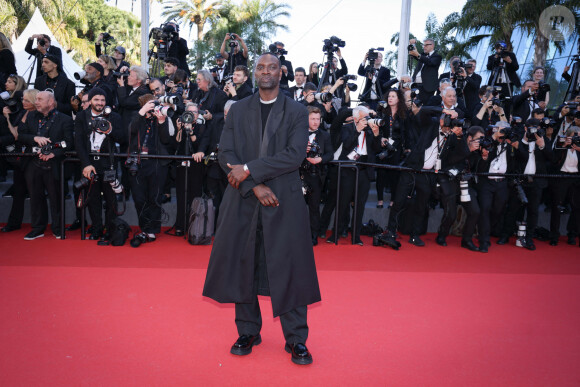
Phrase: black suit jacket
(83, 143)
(63, 92)
(471, 91)
(52, 50)
(129, 105)
(61, 129)
(521, 105)
(242, 92)
(178, 49)
(511, 68)
(383, 77)
(213, 100)
(349, 136)
(429, 68)
(287, 77)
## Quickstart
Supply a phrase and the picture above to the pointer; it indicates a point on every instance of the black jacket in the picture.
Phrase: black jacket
(429, 68)
(64, 90)
(160, 136)
(52, 50)
(129, 105)
(383, 77)
(242, 92)
(349, 136)
(83, 143)
(521, 105)
(178, 49)
(542, 156)
(213, 100)
(287, 77)
(511, 68)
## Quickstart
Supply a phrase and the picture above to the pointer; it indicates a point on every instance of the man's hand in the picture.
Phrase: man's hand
(566, 69)
(284, 68)
(338, 54)
(88, 170)
(237, 175)
(41, 141)
(484, 154)
(452, 113)
(327, 106)
(265, 195)
(314, 160)
(458, 131)
(375, 129)
(198, 156)
(507, 59)
(46, 157)
(309, 97)
(6, 111)
(207, 116)
(147, 108)
(540, 141)
(542, 104)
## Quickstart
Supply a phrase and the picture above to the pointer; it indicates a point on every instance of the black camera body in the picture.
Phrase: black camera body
(411, 47)
(118, 74)
(374, 53)
(509, 134)
(333, 44)
(533, 130)
(41, 42)
(107, 38)
(99, 124)
(132, 164)
(547, 122)
(314, 150)
(449, 122)
(485, 143)
(83, 182)
(48, 148)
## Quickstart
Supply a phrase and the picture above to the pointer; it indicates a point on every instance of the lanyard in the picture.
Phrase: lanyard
(46, 120)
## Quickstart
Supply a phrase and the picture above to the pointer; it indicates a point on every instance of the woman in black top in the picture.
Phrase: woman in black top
(313, 73)
(7, 61)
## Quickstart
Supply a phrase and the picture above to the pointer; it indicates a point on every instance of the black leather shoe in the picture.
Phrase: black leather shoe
(75, 225)
(571, 240)
(300, 354)
(344, 234)
(483, 247)
(331, 239)
(440, 240)
(243, 346)
(415, 240)
(469, 245)
(314, 241)
(358, 242)
(95, 236)
(503, 240)
(179, 233)
(9, 228)
(529, 244)
(553, 242)
(380, 206)
(322, 234)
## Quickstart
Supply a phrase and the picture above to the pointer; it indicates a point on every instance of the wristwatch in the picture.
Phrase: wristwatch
(246, 169)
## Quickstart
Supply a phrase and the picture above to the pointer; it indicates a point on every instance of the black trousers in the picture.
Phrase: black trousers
(387, 178)
(19, 191)
(472, 211)
(249, 317)
(313, 201)
(216, 182)
(399, 197)
(562, 189)
(147, 189)
(330, 204)
(194, 189)
(98, 191)
(515, 207)
(424, 95)
(449, 189)
(39, 181)
(347, 190)
(492, 196)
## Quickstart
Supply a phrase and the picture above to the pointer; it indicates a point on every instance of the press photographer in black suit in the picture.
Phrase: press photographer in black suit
(277, 48)
(525, 103)
(566, 156)
(532, 155)
(58, 82)
(493, 191)
(438, 148)
(240, 57)
(452, 101)
(361, 141)
(95, 78)
(318, 153)
(45, 127)
(426, 72)
(209, 97)
(93, 138)
(376, 78)
(300, 78)
(128, 96)
(220, 71)
(148, 134)
(472, 85)
(43, 47)
(177, 48)
(508, 79)
(489, 110)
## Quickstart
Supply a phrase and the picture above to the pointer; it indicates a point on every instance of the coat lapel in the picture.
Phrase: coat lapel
(272, 124)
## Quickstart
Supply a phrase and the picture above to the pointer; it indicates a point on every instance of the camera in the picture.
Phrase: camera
(509, 134)
(352, 86)
(161, 35)
(83, 182)
(118, 74)
(132, 164)
(166, 111)
(485, 143)
(543, 87)
(110, 176)
(168, 99)
(449, 122)
(374, 53)
(41, 42)
(233, 36)
(349, 77)
(376, 121)
(187, 118)
(48, 148)
(496, 102)
(323, 97)
(547, 122)
(10, 102)
(107, 38)
(333, 44)
(411, 47)
(139, 239)
(280, 52)
(532, 131)
(388, 148)
(464, 187)
(414, 98)
(521, 194)
(314, 150)
(100, 125)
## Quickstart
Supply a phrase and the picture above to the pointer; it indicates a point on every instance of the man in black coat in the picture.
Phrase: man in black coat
(504, 66)
(58, 82)
(425, 75)
(43, 47)
(262, 243)
(44, 127)
(525, 103)
(237, 88)
(128, 96)
(177, 48)
(376, 80)
(91, 138)
(319, 152)
(287, 71)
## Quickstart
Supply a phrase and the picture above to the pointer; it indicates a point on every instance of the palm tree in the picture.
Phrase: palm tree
(189, 13)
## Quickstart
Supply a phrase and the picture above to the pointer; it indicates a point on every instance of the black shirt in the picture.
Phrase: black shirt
(265, 109)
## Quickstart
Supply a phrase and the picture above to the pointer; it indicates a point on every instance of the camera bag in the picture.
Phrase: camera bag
(201, 221)
(119, 232)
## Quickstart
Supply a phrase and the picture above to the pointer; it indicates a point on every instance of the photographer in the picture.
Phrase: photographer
(440, 146)
(118, 54)
(489, 110)
(453, 101)
(44, 132)
(11, 99)
(309, 100)
(426, 72)
(192, 139)
(170, 66)
(97, 131)
(7, 60)
(237, 88)
(277, 48)
(148, 135)
(542, 95)
(109, 68)
(566, 156)
(240, 57)
(177, 47)
(94, 78)
(313, 75)
(497, 156)
(221, 71)
(58, 82)
(208, 96)
(393, 132)
(532, 155)
(361, 141)
(525, 103)
(128, 96)
(300, 78)
(318, 153)
(376, 76)
(43, 47)
(504, 66)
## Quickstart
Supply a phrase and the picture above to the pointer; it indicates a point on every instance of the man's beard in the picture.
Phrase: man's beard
(91, 77)
(268, 84)
(98, 109)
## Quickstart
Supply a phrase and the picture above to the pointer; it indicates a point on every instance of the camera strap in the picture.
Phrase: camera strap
(45, 123)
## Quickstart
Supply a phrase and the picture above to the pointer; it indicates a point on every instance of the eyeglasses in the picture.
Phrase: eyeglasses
(428, 44)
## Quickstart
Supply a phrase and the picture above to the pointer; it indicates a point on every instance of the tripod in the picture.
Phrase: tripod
(31, 68)
(573, 87)
(498, 73)
(327, 65)
(369, 76)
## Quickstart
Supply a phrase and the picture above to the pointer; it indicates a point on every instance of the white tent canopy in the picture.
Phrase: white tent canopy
(25, 63)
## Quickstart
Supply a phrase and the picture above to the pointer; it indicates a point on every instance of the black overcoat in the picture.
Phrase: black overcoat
(273, 160)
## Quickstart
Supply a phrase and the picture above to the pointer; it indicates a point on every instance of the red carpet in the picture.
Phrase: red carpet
(73, 313)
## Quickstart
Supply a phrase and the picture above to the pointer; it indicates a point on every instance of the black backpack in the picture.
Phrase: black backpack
(201, 221)
(119, 232)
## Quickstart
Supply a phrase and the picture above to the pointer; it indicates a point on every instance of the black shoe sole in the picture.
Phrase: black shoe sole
(300, 360)
(245, 351)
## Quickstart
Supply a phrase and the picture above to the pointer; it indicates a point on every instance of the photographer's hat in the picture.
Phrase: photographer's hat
(96, 91)
(120, 49)
(97, 67)
(219, 56)
(54, 59)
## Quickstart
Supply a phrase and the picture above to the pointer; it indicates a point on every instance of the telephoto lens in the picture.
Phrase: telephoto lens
(464, 186)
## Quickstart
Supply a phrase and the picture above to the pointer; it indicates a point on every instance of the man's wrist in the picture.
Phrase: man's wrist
(246, 169)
